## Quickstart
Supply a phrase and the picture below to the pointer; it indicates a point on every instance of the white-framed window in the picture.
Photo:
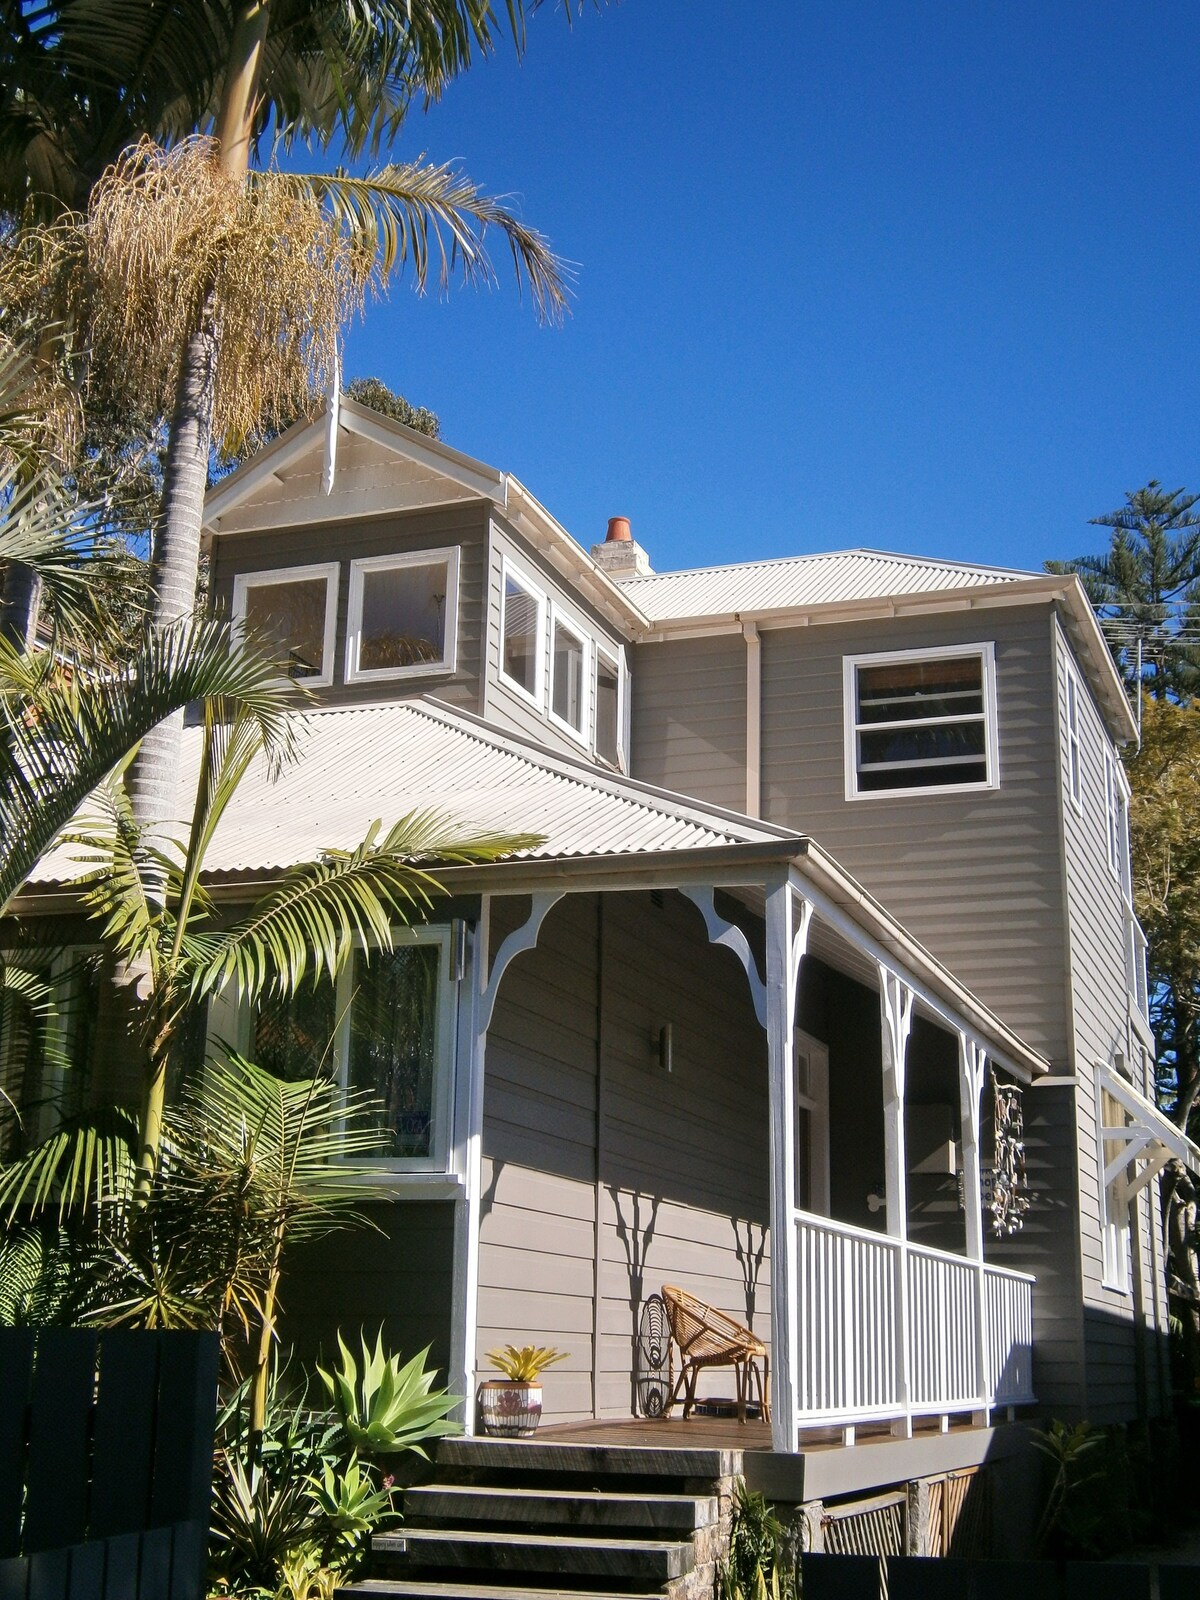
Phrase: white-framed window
(46, 1061)
(387, 1025)
(296, 607)
(522, 634)
(812, 1124)
(1114, 1219)
(609, 697)
(1113, 801)
(402, 620)
(569, 676)
(1074, 741)
(921, 721)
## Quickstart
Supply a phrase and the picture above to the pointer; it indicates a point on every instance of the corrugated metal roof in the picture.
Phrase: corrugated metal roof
(796, 582)
(382, 761)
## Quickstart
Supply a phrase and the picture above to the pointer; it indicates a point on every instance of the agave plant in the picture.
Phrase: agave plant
(388, 1407)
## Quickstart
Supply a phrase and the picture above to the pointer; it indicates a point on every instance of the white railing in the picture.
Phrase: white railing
(889, 1329)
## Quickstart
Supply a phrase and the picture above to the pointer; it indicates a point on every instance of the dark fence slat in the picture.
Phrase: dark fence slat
(121, 1567)
(48, 1575)
(87, 1571)
(56, 1482)
(1014, 1580)
(189, 1560)
(16, 1363)
(1178, 1582)
(923, 1578)
(840, 1577)
(123, 1438)
(154, 1571)
(14, 1578)
(1106, 1580)
(187, 1408)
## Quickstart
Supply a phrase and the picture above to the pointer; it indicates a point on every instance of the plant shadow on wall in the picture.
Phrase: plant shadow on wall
(750, 1258)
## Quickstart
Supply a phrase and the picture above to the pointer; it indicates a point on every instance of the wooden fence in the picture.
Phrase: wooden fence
(105, 1463)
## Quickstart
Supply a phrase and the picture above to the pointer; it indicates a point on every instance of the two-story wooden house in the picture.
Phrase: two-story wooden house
(833, 891)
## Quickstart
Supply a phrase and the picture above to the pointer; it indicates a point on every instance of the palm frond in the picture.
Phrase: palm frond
(88, 1164)
(432, 218)
(62, 731)
(307, 927)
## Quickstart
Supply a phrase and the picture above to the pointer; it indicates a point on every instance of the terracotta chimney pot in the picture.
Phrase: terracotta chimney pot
(619, 531)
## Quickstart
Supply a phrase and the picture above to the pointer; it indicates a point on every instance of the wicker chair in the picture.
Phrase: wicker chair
(708, 1338)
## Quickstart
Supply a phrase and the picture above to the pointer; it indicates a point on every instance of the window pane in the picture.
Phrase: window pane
(918, 690)
(292, 1037)
(393, 1040)
(946, 741)
(403, 616)
(521, 635)
(22, 1065)
(567, 698)
(293, 615)
(608, 684)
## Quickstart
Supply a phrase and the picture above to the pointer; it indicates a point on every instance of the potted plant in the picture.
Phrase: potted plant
(512, 1405)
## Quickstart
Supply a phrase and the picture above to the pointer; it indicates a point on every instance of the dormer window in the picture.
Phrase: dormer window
(296, 609)
(522, 630)
(568, 678)
(403, 615)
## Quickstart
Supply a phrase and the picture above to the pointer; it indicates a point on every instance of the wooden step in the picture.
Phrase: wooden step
(455, 1458)
(432, 1504)
(647, 1563)
(464, 1589)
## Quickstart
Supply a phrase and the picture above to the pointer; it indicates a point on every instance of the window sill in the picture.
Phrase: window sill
(402, 1183)
(920, 792)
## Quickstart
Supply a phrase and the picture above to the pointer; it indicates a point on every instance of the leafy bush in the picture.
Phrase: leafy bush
(756, 1567)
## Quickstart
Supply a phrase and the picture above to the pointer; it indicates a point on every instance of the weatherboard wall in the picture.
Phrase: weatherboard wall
(605, 1176)
(689, 717)
(464, 525)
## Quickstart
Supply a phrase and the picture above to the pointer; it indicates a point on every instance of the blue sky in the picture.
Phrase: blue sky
(917, 274)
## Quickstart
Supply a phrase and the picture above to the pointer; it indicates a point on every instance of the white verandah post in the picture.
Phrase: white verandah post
(896, 1006)
(972, 1064)
(787, 939)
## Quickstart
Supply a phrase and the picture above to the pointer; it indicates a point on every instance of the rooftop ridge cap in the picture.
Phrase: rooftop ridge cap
(831, 555)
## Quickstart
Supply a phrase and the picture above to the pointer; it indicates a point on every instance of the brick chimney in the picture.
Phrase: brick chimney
(620, 556)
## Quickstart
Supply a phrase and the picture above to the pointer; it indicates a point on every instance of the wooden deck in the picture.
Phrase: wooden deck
(716, 1433)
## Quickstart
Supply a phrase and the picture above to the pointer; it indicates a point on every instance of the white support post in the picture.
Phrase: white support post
(475, 1018)
(972, 1066)
(896, 1006)
(787, 940)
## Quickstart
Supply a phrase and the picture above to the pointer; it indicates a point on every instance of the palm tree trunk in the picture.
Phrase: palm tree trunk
(19, 604)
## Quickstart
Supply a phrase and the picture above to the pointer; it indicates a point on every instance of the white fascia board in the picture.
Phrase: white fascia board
(234, 490)
(548, 536)
(1160, 1128)
(474, 476)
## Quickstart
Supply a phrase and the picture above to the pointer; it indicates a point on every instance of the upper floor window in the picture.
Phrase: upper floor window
(608, 708)
(522, 628)
(1113, 805)
(296, 608)
(568, 677)
(1074, 742)
(386, 1026)
(402, 616)
(919, 719)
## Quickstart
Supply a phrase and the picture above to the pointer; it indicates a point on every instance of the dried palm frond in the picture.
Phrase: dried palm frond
(171, 242)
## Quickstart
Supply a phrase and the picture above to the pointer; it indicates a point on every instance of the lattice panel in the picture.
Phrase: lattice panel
(868, 1528)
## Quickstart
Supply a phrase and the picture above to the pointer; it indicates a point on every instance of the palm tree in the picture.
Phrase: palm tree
(1146, 589)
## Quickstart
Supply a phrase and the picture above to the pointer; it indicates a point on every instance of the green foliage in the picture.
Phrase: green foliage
(524, 1365)
(40, 1271)
(388, 1407)
(757, 1565)
(1071, 1453)
(375, 393)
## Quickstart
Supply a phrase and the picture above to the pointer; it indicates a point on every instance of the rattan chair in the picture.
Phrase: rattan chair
(708, 1338)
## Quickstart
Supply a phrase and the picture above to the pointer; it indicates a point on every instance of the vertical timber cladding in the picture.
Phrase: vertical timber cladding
(672, 1166)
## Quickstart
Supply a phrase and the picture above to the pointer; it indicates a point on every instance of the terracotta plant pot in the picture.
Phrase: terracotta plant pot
(509, 1410)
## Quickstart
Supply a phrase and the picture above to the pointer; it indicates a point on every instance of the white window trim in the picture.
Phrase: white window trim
(1115, 1218)
(328, 570)
(816, 1103)
(559, 618)
(441, 1109)
(509, 569)
(418, 669)
(379, 1169)
(1073, 750)
(615, 656)
(1112, 815)
(986, 652)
